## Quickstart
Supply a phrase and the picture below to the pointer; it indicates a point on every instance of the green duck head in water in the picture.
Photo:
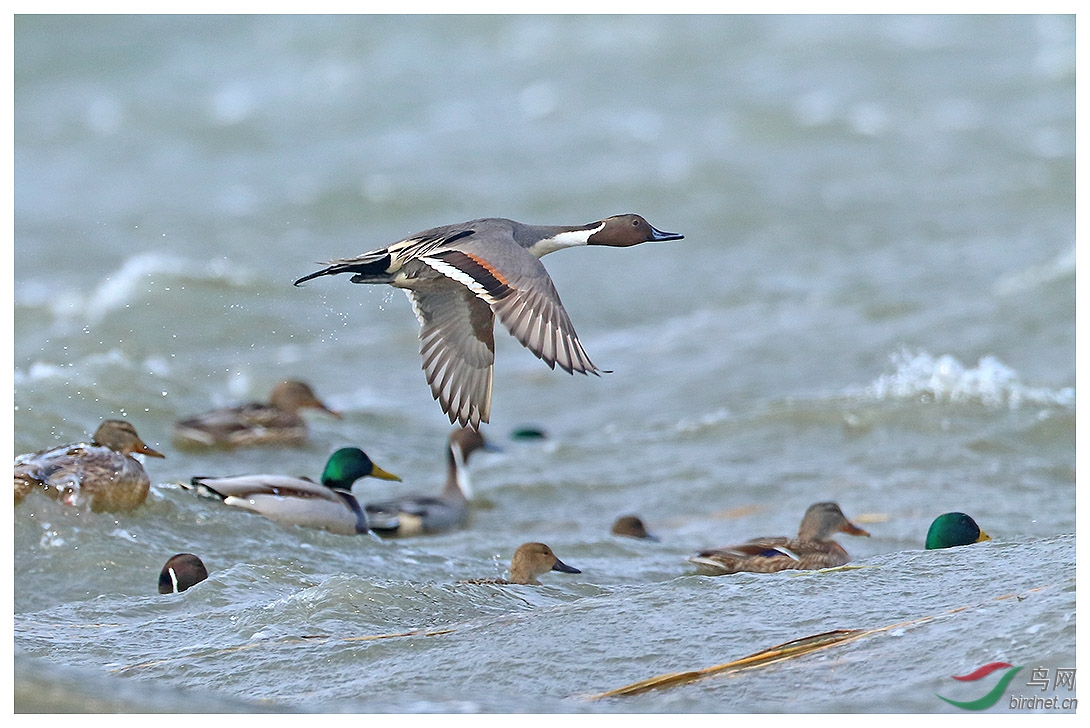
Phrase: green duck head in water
(954, 529)
(349, 464)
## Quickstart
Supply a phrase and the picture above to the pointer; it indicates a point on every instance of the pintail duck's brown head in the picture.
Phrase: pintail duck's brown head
(622, 231)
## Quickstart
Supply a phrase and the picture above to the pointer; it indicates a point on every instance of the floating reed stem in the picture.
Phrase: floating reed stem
(785, 651)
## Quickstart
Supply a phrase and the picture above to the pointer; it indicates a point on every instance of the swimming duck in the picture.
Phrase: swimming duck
(102, 472)
(528, 432)
(458, 277)
(180, 572)
(419, 514)
(256, 423)
(631, 527)
(530, 561)
(811, 549)
(299, 501)
(954, 529)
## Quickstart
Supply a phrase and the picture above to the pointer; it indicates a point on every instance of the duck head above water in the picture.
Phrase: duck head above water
(822, 520)
(631, 527)
(181, 572)
(622, 231)
(531, 560)
(954, 529)
(292, 395)
(349, 464)
(120, 436)
(464, 441)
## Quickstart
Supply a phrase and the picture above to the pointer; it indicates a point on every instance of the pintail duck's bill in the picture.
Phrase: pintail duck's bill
(658, 236)
(561, 566)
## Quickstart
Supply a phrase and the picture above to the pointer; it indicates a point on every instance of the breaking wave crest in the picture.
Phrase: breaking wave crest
(945, 379)
(136, 276)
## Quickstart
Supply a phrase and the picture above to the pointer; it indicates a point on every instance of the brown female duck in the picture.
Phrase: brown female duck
(102, 473)
(256, 423)
(530, 561)
(631, 527)
(813, 548)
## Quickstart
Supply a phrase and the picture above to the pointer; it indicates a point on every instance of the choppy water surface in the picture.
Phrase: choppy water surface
(873, 304)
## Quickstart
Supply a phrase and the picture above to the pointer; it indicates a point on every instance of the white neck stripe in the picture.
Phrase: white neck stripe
(569, 239)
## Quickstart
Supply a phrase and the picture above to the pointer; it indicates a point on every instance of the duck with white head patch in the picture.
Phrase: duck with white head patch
(414, 515)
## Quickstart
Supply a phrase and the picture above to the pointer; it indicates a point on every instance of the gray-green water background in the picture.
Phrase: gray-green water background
(874, 303)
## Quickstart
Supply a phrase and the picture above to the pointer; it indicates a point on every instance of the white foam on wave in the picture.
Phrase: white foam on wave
(945, 379)
(120, 288)
(1060, 267)
(82, 371)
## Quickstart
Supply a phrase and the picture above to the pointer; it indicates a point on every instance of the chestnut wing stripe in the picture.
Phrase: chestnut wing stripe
(473, 272)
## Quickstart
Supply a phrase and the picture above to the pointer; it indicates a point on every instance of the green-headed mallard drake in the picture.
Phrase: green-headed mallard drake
(180, 572)
(631, 527)
(102, 473)
(420, 514)
(329, 505)
(813, 548)
(954, 529)
(460, 277)
(256, 423)
(530, 561)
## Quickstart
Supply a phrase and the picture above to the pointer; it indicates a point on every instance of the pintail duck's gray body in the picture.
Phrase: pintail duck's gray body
(291, 501)
(458, 277)
(415, 515)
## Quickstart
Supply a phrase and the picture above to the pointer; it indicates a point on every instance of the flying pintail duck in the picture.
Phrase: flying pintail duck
(631, 527)
(103, 472)
(530, 561)
(419, 514)
(954, 529)
(289, 501)
(459, 277)
(255, 423)
(813, 548)
(180, 572)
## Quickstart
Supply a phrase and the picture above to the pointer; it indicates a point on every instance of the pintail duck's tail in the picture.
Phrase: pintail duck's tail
(373, 268)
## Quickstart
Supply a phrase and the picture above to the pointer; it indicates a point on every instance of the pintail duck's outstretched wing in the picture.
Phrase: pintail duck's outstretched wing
(482, 277)
(457, 348)
(456, 338)
(519, 290)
